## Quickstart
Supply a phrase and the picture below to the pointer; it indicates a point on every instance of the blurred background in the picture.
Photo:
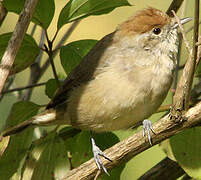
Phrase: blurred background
(93, 27)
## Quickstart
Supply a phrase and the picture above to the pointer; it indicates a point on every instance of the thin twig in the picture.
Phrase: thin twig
(23, 88)
(66, 35)
(56, 50)
(7, 86)
(58, 46)
(35, 69)
(196, 29)
(175, 5)
(181, 97)
(176, 74)
(55, 36)
(183, 33)
(33, 30)
(3, 12)
(16, 40)
(50, 54)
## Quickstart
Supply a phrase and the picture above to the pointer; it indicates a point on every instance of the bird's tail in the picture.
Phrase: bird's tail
(47, 117)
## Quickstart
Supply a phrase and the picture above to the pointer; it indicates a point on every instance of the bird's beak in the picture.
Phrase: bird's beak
(183, 21)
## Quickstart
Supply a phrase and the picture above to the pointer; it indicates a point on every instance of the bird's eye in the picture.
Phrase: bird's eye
(156, 31)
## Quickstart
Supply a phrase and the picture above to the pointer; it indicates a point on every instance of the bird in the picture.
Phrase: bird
(120, 83)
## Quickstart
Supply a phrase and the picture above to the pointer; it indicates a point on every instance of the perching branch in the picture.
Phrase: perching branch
(130, 147)
(16, 40)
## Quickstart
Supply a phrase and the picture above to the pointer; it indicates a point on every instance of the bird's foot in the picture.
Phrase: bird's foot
(97, 153)
(147, 128)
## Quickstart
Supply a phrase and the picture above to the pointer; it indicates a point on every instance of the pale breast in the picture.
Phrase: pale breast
(118, 100)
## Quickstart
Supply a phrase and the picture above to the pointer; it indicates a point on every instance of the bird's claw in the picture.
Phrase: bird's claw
(147, 127)
(97, 153)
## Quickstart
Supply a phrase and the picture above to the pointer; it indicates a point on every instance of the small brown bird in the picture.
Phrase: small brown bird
(121, 81)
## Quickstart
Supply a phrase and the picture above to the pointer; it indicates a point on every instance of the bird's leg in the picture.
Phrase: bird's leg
(147, 127)
(97, 153)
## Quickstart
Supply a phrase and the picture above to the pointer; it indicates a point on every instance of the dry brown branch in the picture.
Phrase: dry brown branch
(16, 40)
(128, 148)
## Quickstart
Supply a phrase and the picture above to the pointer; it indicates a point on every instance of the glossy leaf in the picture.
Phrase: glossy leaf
(166, 147)
(47, 160)
(77, 9)
(72, 54)
(186, 147)
(18, 144)
(26, 55)
(43, 14)
(50, 87)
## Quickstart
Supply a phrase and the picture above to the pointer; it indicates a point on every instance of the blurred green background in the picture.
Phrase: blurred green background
(93, 27)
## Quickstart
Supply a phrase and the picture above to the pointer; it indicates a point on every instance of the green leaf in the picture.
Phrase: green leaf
(47, 159)
(166, 147)
(77, 9)
(43, 14)
(81, 151)
(50, 88)
(26, 55)
(186, 147)
(72, 54)
(19, 143)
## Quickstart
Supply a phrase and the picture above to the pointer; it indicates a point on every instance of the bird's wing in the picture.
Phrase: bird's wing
(84, 72)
